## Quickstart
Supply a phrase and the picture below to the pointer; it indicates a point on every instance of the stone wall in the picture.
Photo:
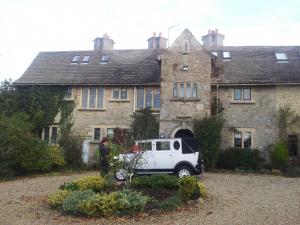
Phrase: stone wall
(256, 116)
(178, 112)
(290, 96)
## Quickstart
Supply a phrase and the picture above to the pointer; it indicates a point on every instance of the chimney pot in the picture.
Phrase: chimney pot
(160, 34)
(154, 34)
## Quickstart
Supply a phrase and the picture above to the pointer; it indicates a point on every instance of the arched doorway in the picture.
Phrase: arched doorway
(183, 133)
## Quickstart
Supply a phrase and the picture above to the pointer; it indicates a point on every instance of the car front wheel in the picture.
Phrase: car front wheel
(120, 175)
(184, 171)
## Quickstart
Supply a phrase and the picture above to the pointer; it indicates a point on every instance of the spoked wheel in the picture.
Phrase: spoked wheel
(184, 171)
(120, 175)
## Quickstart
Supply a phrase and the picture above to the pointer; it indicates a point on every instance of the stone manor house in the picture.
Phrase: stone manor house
(178, 84)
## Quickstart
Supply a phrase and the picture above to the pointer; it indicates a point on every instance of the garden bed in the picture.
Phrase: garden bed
(95, 196)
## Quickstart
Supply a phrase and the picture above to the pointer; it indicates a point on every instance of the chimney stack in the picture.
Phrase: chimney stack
(213, 39)
(104, 43)
(157, 42)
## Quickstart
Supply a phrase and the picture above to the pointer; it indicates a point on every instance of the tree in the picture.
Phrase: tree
(208, 131)
(144, 125)
(287, 121)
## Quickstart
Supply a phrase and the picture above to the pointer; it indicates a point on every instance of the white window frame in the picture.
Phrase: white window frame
(50, 134)
(243, 131)
(242, 99)
(96, 100)
(153, 89)
(71, 97)
(85, 61)
(281, 56)
(94, 133)
(76, 61)
(119, 90)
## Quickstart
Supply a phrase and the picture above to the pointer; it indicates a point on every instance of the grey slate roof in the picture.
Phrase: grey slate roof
(249, 65)
(258, 65)
(124, 67)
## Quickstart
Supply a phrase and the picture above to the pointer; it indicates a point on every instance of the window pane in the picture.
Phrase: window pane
(293, 145)
(68, 94)
(97, 134)
(156, 98)
(46, 135)
(237, 94)
(162, 145)
(195, 91)
(181, 90)
(281, 56)
(140, 97)
(237, 139)
(123, 93)
(149, 98)
(104, 58)
(86, 59)
(188, 90)
(84, 101)
(116, 93)
(92, 102)
(100, 98)
(175, 90)
(146, 146)
(110, 132)
(247, 94)
(54, 135)
(247, 139)
(226, 55)
(76, 59)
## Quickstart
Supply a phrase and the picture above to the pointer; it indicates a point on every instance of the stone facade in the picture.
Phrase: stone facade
(186, 75)
(256, 116)
(185, 64)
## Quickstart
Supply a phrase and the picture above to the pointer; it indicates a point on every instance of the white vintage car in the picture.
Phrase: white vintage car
(179, 156)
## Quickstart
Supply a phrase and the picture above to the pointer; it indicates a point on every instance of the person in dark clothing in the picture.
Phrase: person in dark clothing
(104, 156)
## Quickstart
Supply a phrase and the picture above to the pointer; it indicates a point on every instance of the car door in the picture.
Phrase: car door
(147, 158)
(163, 155)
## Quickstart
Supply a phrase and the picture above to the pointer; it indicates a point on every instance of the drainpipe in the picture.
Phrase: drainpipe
(217, 99)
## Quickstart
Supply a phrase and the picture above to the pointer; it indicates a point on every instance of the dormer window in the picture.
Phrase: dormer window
(86, 59)
(104, 59)
(184, 67)
(226, 55)
(76, 59)
(281, 57)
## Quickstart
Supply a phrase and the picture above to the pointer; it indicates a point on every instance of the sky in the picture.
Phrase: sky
(28, 27)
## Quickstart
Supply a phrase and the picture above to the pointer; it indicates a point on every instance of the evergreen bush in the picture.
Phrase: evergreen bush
(280, 156)
(240, 158)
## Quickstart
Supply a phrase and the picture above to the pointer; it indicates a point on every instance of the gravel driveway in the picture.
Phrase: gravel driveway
(234, 199)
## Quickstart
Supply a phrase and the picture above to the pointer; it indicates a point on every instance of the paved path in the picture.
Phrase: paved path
(235, 199)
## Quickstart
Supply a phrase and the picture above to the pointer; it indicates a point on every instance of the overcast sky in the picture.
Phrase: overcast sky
(30, 26)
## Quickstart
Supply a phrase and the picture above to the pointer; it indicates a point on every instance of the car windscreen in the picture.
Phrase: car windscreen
(190, 145)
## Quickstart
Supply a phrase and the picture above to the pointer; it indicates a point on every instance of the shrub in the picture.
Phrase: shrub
(69, 186)
(292, 171)
(189, 188)
(130, 202)
(56, 199)
(202, 190)
(100, 205)
(72, 202)
(234, 158)
(280, 156)
(160, 181)
(72, 147)
(96, 183)
(208, 131)
(170, 203)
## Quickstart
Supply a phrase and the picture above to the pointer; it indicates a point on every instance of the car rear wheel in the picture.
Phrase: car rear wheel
(184, 171)
(120, 175)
